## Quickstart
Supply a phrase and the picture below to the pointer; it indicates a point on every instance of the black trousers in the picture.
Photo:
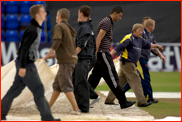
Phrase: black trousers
(105, 68)
(33, 82)
(93, 94)
(81, 86)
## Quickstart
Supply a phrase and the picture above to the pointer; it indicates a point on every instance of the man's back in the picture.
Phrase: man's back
(107, 25)
(66, 51)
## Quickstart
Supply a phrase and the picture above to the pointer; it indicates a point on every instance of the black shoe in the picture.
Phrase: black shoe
(153, 101)
(53, 120)
(110, 103)
(145, 104)
(56, 120)
(127, 104)
(3, 118)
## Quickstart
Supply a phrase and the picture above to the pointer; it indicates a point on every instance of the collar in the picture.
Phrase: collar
(134, 37)
(63, 21)
(111, 20)
(83, 22)
(34, 22)
(146, 31)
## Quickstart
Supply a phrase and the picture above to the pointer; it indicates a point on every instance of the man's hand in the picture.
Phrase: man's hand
(163, 58)
(45, 58)
(161, 48)
(22, 72)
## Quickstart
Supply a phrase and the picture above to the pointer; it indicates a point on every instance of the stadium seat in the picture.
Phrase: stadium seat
(2, 21)
(39, 2)
(12, 35)
(2, 35)
(25, 20)
(43, 26)
(12, 7)
(12, 22)
(25, 6)
(2, 7)
(21, 34)
(43, 36)
(49, 36)
(48, 22)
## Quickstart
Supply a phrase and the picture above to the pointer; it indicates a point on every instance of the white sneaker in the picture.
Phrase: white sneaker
(95, 101)
(75, 112)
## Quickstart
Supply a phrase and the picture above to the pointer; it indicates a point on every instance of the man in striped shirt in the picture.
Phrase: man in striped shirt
(104, 66)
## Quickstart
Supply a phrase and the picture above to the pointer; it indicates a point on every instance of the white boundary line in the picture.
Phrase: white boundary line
(155, 94)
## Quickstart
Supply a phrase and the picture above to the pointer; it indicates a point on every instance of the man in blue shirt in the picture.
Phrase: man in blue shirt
(142, 66)
(131, 46)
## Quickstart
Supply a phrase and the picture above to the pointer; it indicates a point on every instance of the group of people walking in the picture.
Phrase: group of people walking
(77, 52)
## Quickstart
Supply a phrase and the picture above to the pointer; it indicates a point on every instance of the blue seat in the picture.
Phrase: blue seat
(12, 35)
(49, 36)
(43, 26)
(25, 20)
(43, 37)
(2, 7)
(12, 7)
(48, 22)
(2, 21)
(25, 6)
(2, 35)
(12, 22)
(39, 2)
(21, 34)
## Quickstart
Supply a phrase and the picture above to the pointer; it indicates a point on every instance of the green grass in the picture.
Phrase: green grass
(164, 108)
(160, 81)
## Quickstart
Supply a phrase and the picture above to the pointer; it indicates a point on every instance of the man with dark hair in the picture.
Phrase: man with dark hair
(104, 66)
(85, 50)
(64, 47)
(26, 72)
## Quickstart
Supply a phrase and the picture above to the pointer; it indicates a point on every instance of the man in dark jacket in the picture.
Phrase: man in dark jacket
(26, 72)
(85, 50)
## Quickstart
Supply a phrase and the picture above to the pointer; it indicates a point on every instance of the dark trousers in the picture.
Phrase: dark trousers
(105, 68)
(93, 94)
(147, 88)
(80, 83)
(33, 82)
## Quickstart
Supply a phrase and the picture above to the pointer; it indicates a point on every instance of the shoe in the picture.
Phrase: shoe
(110, 103)
(127, 104)
(76, 112)
(56, 120)
(153, 101)
(53, 120)
(3, 118)
(145, 104)
(95, 101)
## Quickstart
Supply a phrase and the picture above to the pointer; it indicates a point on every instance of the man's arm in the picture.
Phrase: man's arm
(78, 50)
(57, 40)
(161, 48)
(28, 41)
(113, 52)
(49, 54)
(158, 53)
(99, 38)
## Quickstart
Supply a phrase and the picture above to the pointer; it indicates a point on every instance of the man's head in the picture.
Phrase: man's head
(38, 12)
(62, 14)
(137, 30)
(116, 13)
(84, 13)
(149, 24)
(144, 19)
